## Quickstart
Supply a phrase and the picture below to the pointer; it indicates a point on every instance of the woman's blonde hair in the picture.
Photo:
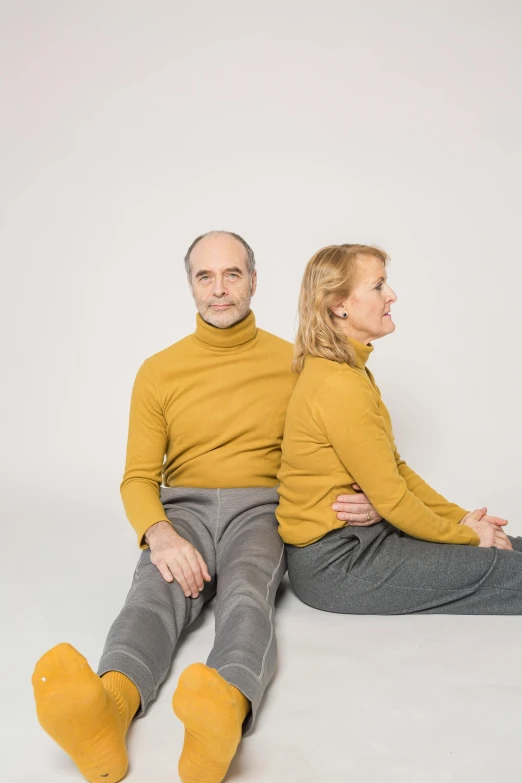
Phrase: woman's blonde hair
(329, 277)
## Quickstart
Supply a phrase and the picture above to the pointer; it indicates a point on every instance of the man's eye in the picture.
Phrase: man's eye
(378, 287)
(233, 274)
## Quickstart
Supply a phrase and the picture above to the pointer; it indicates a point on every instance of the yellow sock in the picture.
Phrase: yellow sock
(87, 715)
(213, 712)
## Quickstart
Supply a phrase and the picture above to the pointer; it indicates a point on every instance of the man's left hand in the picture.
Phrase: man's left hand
(356, 510)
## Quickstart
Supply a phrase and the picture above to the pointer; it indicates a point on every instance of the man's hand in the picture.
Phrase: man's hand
(354, 509)
(490, 533)
(176, 558)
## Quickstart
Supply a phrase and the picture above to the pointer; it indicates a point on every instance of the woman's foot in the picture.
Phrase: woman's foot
(213, 712)
(88, 716)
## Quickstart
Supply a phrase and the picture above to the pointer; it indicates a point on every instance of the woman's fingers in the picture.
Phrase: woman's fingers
(501, 540)
(496, 521)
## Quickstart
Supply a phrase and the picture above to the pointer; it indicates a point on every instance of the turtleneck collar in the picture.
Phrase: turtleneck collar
(362, 352)
(216, 339)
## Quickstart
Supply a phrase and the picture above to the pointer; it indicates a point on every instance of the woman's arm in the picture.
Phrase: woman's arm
(347, 410)
(437, 503)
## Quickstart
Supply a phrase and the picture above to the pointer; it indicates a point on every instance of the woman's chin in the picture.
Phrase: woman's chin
(389, 327)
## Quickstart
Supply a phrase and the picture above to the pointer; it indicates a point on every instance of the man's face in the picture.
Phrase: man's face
(219, 280)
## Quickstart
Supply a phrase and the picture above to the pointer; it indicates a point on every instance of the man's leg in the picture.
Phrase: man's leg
(251, 564)
(214, 700)
(87, 714)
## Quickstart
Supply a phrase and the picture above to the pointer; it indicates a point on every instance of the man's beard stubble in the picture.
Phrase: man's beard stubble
(228, 318)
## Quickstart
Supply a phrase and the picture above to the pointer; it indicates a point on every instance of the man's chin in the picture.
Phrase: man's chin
(222, 319)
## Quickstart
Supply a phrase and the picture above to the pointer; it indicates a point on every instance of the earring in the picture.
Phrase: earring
(345, 315)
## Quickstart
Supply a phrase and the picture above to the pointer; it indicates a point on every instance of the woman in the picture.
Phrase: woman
(426, 554)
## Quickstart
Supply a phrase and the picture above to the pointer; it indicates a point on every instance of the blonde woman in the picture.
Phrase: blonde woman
(426, 554)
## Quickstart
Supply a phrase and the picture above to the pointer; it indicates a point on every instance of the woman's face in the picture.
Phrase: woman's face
(368, 306)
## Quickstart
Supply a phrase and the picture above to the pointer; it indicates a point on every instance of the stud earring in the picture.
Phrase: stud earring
(345, 315)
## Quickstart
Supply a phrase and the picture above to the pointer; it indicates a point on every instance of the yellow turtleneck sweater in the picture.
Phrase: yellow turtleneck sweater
(208, 411)
(338, 432)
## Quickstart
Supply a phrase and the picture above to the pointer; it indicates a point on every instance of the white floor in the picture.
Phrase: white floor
(373, 699)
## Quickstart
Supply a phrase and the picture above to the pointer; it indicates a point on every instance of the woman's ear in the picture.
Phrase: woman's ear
(340, 310)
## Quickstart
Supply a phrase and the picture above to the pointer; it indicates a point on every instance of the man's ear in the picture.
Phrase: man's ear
(253, 283)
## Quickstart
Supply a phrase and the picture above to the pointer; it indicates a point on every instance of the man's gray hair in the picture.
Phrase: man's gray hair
(250, 258)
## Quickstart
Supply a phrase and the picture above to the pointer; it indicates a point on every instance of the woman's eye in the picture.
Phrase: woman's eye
(378, 287)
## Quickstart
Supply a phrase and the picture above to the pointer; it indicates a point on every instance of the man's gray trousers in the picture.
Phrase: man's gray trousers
(235, 531)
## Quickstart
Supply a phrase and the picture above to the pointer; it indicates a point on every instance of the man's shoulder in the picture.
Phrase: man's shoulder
(170, 353)
(275, 342)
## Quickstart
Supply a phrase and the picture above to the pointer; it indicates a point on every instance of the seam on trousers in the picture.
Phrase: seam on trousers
(119, 651)
(270, 614)
(499, 587)
(161, 680)
(239, 666)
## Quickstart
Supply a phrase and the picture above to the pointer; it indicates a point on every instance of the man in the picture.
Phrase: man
(207, 417)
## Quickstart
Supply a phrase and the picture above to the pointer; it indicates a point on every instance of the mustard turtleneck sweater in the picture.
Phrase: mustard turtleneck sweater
(208, 411)
(338, 432)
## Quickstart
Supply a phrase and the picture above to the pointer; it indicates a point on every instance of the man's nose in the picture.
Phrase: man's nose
(219, 286)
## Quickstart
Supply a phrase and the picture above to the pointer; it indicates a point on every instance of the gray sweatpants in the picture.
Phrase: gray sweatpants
(380, 570)
(235, 531)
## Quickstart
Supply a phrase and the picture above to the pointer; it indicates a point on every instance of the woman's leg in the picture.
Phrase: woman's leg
(380, 570)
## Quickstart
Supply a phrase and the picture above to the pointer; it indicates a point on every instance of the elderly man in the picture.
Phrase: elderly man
(206, 419)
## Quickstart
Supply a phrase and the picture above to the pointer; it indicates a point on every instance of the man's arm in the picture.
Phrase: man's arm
(173, 556)
(146, 446)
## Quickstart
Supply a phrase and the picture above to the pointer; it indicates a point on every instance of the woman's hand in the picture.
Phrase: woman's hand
(490, 533)
(356, 510)
(487, 518)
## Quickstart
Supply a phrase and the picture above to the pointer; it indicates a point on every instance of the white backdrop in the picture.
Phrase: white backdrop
(129, 128)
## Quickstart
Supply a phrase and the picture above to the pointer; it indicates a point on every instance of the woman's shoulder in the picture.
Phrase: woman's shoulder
(327, 377)
(318, 367)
